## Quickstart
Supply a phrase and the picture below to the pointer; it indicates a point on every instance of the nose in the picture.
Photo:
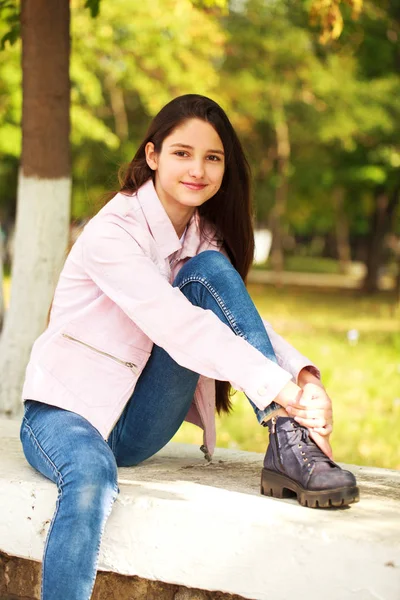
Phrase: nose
(196, 169)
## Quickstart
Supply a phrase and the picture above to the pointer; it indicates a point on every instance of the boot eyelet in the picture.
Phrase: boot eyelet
(303, 453)
(299, 446)
(305, 459)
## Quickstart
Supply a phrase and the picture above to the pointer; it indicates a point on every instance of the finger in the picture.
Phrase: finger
(318, 403)
(311, 423)
(322, 442)
(313, 392)
(310, 413)
(325, 431)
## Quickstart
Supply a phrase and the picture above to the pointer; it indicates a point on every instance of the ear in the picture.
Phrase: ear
(151, 156)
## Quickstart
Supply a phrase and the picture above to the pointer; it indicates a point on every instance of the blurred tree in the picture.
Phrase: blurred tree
(328, 14)
(123, 71)
(381, 42)
(161, 45)
(360, 129)
(43, 187)
(274, 42)
(340, 120)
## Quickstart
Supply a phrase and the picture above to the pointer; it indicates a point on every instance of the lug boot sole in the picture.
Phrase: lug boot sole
(280, 486)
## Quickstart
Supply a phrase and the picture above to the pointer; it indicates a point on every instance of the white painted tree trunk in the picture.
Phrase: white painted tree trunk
(1, 280)
(40, 245)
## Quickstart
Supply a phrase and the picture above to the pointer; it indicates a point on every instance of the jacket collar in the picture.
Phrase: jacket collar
(161, 227)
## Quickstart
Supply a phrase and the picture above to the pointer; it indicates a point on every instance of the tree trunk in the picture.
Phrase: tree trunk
(279, 209)
(118, 108)
(385, 207)
(1, 279)
(397, 284)
(44, 184)
(342, 231)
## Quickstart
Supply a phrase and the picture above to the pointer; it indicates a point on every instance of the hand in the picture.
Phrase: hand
(292, 399)
(314, 411)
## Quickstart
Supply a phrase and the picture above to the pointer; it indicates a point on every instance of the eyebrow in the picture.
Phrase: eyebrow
(191, 148)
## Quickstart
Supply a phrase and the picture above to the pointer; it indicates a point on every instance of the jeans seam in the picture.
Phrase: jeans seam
(43, 452)
(101, 536)
(48, 538)
(227, 313)
(229, 317)
(60, 482)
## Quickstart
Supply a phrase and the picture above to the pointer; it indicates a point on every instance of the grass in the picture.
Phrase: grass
(363, 379)
(306, 264)
(311, 264)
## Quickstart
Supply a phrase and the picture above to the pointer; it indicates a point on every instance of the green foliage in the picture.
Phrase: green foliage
(125, 66)
(9, 15)
(215, 5)
(93, 6)
(328, 14)
(261, 60)
(342, 115)
(10, 130)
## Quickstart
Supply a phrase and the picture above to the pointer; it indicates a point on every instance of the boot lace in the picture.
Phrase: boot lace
(309, 450)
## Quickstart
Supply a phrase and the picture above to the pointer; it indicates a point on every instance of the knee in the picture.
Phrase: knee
(212, 259)
(207, 264)
(93, 483)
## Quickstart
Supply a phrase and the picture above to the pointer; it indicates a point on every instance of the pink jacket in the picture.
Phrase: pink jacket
(114, 299)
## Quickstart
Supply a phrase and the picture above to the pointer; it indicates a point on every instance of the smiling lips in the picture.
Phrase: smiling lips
(194, 186)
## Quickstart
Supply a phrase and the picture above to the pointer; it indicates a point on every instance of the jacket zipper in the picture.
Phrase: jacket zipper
(274, 436)
(130, 365)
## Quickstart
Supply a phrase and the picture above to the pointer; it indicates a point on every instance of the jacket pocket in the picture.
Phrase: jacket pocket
(95, 377)
(130, 365)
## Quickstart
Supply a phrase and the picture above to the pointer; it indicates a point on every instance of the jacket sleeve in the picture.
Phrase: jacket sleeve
(193, 337)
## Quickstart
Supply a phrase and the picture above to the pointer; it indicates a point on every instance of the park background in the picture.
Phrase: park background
(316, 104)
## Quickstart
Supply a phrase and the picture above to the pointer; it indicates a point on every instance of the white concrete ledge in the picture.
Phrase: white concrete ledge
(180, 521)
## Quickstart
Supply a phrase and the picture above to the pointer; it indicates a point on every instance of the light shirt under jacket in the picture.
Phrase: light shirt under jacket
(114, 299)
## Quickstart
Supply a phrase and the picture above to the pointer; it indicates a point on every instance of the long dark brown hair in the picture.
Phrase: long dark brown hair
(230, 209)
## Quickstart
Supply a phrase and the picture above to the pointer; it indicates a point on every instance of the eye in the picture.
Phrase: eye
(214, 158)
(181, 153)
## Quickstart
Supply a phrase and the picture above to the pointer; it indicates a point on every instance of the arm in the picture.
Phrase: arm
(193, 337)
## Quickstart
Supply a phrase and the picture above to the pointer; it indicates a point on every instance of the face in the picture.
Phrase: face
(190, 167)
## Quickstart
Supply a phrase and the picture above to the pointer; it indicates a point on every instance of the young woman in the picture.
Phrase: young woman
(150, 325)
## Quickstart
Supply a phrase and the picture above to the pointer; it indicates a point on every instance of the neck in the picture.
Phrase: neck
(178, 214)
(180, 221)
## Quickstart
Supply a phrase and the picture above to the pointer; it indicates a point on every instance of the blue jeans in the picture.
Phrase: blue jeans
(69, 451)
